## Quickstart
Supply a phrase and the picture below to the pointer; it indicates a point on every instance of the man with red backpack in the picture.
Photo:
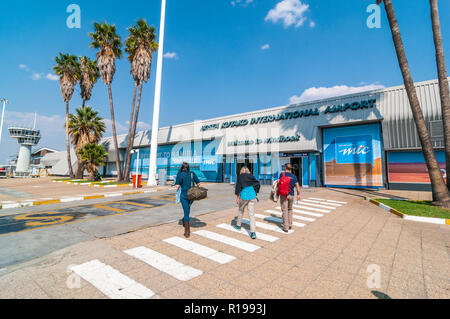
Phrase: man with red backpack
(287, 184)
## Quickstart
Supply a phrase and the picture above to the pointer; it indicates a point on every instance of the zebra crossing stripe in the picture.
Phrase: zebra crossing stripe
(277, 220)
(243, 231)
(228, 240)
(304, 212)
(312, 208)
(328, 200)
(317, 205)
(111, 282)
(164, 263)
(267, 227)
(200, 250)
(275, 212)
(321, 202)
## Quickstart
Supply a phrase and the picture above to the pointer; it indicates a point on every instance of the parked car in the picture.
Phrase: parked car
(2, 172)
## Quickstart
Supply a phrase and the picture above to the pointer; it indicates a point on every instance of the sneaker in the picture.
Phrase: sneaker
(253, 236)
(290, 228)
(286, 231)
(237, 227)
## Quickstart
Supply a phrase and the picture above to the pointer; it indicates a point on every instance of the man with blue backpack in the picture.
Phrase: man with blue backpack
(247, 188)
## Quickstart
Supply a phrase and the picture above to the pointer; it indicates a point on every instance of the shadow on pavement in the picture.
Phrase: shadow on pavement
(195, 223)
(380, 295)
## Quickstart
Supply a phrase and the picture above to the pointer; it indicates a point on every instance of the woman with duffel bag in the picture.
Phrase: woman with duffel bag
(184, 181)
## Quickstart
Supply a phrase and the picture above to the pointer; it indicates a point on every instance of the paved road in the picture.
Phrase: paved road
(33, 232)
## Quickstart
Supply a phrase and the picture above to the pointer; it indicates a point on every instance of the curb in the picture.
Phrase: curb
(10, 205)
(430, 220)
(93, 184)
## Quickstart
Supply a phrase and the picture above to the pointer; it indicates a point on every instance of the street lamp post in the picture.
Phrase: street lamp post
(155, 126)
(4, 101)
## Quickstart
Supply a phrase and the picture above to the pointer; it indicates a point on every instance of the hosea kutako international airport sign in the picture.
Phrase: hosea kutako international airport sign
(291, 115)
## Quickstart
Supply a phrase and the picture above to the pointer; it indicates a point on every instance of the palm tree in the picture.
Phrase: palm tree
(88, 76)
(67, 67)
(140, 46)
(93, 156)
(439, 189)
(443, 81)
(85, 127)
(108, 42)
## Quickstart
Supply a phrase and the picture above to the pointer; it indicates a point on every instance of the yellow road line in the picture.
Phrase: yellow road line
(137, 204)
(117, 210)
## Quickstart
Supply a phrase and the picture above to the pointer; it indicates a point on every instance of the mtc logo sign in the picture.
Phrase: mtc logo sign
(362, 150)
(354, 150)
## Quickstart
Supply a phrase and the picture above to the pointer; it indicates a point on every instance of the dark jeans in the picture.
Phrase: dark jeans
(186, 207)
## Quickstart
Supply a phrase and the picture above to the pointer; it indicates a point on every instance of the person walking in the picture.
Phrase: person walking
(247, 188)
(184, 181)
(287, 184)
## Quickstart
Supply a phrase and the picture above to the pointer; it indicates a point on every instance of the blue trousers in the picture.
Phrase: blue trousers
(186, 203)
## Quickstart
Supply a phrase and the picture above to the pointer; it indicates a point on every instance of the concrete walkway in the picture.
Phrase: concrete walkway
(341, 247)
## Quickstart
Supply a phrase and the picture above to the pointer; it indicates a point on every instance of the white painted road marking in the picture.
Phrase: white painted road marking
(312, 208)
(305, 212)
(328, 200)
(111, 282)
(317, 205)
(200, 250)
(277, 220)
(275, 212)
(321, 202)
(228, 240)
(243, 231)
(164, 263)
(268, 227)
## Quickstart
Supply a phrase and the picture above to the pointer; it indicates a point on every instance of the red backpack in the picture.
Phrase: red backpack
(284, 186)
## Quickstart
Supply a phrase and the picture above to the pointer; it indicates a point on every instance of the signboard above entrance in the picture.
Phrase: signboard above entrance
(291, 115)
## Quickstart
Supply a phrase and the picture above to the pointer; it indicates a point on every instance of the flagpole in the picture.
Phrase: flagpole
(157, 102)
(4, 101)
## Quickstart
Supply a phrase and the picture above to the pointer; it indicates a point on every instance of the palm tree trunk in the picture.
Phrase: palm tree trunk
(443, 81)
(439, 189)
(84, 103)
(69, 160)
(136, 115)
(126, 174)
(80, 168)
(116, 145)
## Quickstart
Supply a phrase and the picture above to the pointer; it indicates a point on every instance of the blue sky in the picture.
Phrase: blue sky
(222, 56)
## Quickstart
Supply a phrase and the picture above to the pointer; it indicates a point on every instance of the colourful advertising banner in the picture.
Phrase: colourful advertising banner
(353, 156)
(200, 156)
(410, 167)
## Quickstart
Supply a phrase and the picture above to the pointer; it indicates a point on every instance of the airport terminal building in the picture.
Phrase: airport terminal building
(366, 140)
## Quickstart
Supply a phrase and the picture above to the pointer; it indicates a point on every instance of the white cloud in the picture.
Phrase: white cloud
(241, 3)
(52, 77)
(265, 47)
(290, 12)
(37, 76)
(312, 24)
(171, 55)
(313, 94)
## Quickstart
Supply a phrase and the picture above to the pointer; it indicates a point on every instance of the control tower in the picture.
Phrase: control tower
(27, 138)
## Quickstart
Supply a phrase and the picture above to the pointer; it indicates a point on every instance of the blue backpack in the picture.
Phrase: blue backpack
(248, 193)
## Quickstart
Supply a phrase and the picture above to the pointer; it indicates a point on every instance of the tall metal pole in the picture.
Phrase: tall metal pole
(157, 102)
(4, 101)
